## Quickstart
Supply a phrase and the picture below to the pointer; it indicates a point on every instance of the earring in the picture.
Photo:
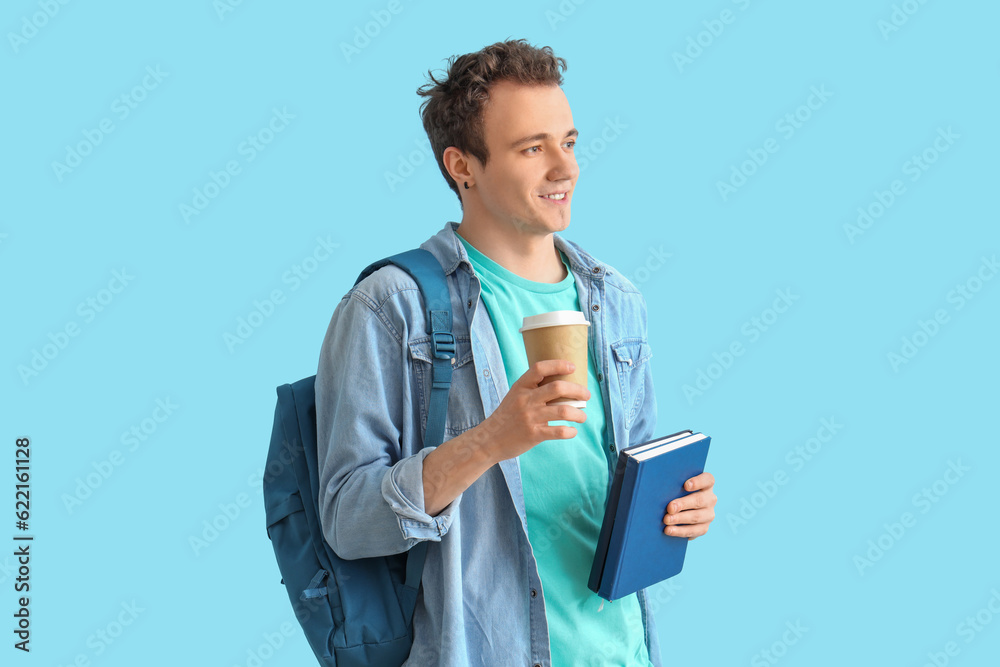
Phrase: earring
(466, 185)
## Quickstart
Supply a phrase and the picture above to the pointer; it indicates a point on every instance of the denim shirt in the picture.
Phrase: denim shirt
(480, 601)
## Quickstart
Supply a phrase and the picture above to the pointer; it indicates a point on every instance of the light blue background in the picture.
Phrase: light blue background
(649, 192)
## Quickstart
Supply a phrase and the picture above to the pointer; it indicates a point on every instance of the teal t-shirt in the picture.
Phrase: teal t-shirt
(565, 484)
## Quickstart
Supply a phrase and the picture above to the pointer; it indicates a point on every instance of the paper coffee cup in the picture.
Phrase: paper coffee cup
(559, 334)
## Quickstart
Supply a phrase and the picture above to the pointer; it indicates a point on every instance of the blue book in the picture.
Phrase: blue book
(632, 551)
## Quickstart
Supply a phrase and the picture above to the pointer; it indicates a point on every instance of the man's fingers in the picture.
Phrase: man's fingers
(563, 412)
(689, 517)
(542, 369)
(689, 532)
(702, 481)
(694, 500)
(563, 389)
(557, 432)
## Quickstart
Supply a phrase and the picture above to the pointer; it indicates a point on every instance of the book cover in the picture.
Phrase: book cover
(632, 551)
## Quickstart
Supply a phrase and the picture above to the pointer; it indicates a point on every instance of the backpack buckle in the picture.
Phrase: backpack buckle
(443, 344)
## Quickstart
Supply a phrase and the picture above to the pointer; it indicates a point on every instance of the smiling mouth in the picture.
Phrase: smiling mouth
(556, 198)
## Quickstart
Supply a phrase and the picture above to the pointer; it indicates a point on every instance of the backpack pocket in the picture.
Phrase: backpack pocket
(311, 589)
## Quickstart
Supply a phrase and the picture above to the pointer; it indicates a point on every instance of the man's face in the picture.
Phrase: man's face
(530, 135)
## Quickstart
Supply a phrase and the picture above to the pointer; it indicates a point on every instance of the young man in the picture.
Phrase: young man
(511, 502)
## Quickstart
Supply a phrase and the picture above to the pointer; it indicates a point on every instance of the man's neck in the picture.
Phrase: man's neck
(532, 257)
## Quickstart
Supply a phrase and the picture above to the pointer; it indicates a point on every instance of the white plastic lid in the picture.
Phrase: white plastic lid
(554, 318)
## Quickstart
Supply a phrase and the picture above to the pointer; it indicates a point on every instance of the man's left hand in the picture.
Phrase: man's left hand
(689, 516)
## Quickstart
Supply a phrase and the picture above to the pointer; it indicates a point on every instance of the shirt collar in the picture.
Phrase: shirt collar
(451, 253)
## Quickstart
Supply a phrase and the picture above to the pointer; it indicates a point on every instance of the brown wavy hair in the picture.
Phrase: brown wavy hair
(452, 114)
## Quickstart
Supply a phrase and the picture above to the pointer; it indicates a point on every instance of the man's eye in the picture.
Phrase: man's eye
(571, 143)
(532, 148)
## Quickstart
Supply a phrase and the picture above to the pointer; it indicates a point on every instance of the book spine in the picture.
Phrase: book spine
(623, 515)
(611, 507)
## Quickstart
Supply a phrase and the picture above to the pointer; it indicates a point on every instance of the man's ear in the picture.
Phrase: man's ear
(457, 164)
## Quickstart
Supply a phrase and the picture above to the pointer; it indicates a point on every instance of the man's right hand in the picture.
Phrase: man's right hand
(521, 421)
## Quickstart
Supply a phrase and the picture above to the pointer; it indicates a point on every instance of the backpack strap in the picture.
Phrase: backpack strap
(424, 267)
(427, 271)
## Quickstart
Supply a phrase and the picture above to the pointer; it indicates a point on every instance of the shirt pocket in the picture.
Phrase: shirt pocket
(464, 405)
(630, 354)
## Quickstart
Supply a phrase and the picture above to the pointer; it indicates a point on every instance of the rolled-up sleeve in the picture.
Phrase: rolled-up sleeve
(371, 496)
(403, 489)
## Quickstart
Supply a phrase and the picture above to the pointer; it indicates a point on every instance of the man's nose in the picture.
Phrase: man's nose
(564, 167)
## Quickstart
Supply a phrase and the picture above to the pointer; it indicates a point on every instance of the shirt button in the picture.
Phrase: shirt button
(486, 373)
(597, 269)
(595, 307)
(534, 593)
(600, 377)
(470, 303)
(612, 448)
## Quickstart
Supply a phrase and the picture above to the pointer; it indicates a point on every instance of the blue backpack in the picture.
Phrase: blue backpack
(353, 612)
